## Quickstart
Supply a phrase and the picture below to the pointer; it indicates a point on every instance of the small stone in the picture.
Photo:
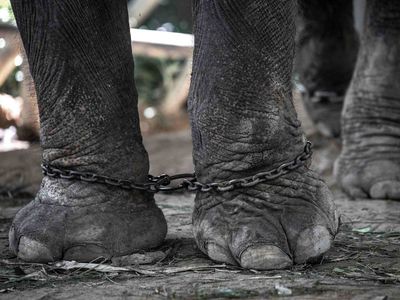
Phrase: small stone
(282, 290)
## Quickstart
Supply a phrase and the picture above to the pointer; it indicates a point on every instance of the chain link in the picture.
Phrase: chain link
(164, 183)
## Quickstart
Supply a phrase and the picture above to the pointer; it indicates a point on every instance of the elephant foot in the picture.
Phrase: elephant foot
(244, 122)
(369, 164)
(375, 179)
(290, 220)
(74, 220)
(89, 122)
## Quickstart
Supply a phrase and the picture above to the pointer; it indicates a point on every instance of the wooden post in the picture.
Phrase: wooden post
(178, 94)
(161, 44)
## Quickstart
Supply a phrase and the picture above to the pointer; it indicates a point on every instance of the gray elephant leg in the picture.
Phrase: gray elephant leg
(243, 122)
(327, 47)
(369, 165)
(80, 59)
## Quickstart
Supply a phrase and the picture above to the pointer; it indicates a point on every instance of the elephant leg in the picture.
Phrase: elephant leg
(244, 122)
(327, 47)
(369, 165)
(80, 58)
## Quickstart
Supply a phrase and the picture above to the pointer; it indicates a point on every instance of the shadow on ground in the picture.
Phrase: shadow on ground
(363, 264)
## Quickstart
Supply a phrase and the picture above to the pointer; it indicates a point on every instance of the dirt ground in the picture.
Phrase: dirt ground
(363, 264)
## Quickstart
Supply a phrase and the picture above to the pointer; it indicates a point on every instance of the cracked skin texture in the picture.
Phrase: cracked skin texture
(83, 222)
(269, 226)
(243, 121)
(80, 58)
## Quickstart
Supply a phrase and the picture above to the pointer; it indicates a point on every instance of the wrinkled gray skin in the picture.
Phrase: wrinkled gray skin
(327, 45)
(369, 165)
(80, 58)
(243, 121)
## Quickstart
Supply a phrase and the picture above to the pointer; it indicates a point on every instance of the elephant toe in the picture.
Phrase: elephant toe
(312, 243)
(264, 257)
(34, 251)
(218, 253)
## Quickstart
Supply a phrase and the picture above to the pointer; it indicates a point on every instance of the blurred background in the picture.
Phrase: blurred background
(162, 46)
(364, 263)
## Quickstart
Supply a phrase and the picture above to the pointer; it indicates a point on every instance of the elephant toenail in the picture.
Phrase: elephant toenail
(312, 243)
(264, 257)
(33, 251)
(220, 254)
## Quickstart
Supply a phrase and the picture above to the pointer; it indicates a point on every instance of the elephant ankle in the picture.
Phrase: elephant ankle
(64, 192)
(236, 164)
(126, 161)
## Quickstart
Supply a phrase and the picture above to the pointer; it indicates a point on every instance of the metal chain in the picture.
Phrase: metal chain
(163, 183)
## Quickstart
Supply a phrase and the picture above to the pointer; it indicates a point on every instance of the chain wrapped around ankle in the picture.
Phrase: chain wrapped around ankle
(188, 182)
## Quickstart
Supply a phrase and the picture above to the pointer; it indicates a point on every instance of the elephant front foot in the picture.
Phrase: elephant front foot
(369, 178)
(369, 164)
(74, 220)
(290, 220)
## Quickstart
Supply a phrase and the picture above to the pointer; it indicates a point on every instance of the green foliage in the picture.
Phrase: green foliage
(153, 78)
(6, 13)
(11, 86)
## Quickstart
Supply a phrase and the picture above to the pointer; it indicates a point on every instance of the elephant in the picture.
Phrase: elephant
(327, 46)
(332, 62)
(243, 124)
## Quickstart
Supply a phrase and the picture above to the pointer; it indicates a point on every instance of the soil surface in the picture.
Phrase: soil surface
(363, 264)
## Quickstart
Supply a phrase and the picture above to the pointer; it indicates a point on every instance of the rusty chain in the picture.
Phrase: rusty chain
(163, 183)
